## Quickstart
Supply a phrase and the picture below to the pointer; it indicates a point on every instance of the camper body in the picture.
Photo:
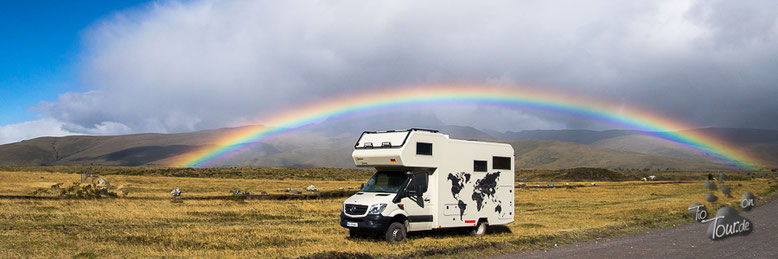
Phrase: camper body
(424, 181)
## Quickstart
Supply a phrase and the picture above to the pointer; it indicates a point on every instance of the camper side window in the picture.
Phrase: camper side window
(501, 162)
(479, 166)
(423, 148)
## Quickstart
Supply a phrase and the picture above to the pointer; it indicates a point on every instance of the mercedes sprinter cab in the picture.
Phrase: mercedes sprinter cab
(424, 180)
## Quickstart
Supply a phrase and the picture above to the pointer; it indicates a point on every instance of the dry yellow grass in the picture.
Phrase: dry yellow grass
(20, 183)
(267, 228)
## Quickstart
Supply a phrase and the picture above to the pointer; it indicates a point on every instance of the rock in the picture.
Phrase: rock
(239, 192)
(311, 188)
(340, 188)
(296, 192)
(176, 192)
(725, 190)
(522, 185)
(722, 176)
(710, 185)
(102, 182)
(550, 185)
(287, 190)
(350, 188)
(594, 184)
(711, 198)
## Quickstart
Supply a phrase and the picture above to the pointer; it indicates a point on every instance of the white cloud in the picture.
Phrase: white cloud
(182, 66)
(102, 128)
(31, 129)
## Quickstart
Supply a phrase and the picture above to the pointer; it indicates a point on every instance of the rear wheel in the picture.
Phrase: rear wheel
(395, 233)
(479, 230)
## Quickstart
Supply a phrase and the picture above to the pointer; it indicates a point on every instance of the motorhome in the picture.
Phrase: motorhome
(424, 180)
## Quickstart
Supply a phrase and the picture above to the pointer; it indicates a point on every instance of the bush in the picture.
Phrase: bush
(77, 191)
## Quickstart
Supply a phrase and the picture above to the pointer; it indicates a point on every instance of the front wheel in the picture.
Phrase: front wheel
(479, 230)
(395, 233)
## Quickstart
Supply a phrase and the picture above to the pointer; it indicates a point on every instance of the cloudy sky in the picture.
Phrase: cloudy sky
(177, 66)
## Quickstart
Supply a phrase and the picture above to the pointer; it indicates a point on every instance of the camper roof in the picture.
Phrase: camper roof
(385, 139)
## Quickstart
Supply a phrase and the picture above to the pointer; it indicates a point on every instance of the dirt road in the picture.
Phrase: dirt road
(684, 241)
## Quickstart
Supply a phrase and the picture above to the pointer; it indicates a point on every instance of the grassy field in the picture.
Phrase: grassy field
(146, 223)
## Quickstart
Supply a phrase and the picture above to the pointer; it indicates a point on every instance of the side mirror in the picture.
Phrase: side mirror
(419, 199)
(420, 187)
(420, 182)
(402, 193)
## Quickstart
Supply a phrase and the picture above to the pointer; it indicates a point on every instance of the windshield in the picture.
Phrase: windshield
(385, 181)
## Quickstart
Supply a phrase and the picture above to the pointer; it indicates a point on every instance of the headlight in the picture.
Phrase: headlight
(377, 208)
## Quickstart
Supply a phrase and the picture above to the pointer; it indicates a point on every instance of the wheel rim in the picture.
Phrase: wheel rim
(396, 235)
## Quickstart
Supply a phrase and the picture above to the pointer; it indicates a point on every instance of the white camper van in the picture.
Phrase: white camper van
(424, 181)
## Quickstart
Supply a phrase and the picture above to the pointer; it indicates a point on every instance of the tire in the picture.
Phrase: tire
(479, 230)
(395, 233)
(355, 233)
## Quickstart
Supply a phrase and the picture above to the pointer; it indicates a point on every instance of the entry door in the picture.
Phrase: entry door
(419, 210)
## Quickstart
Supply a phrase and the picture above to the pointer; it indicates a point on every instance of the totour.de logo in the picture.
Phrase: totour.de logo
(698, 212)
(728, 223)
(747, 202)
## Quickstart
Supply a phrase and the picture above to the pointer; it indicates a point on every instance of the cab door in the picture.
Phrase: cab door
(417, 202)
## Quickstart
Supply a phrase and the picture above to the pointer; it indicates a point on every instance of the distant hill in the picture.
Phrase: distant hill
(572, 135)
(550, 154)
(331, 147)
(757, 143)
(649, 145)
(578, 174)
(130, 150)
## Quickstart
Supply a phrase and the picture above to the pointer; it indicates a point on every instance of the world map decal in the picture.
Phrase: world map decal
(484, 190)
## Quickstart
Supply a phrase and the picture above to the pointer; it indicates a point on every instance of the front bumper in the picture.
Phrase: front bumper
(374, 222)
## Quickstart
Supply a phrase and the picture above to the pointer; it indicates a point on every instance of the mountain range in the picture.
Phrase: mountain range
(330, 145)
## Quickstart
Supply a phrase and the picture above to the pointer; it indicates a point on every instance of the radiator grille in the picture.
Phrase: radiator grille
(353, 209)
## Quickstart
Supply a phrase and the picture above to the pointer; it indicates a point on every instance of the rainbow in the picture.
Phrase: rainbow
(528, 98)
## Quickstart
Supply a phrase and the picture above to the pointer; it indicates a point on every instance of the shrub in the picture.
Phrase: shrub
(77, 190)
